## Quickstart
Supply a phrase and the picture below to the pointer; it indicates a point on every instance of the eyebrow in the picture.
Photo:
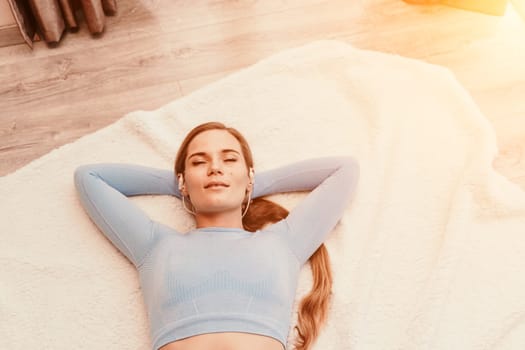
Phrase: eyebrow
(228, 150)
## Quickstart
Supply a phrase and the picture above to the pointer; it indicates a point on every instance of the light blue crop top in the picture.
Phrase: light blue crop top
(218, 279)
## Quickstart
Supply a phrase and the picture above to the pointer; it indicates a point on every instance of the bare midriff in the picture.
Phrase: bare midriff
(225, 341)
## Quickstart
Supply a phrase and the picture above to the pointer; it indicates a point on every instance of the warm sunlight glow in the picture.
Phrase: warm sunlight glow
(518, 6)
(514, 10)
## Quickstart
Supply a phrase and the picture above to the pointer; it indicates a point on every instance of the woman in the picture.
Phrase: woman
(220, 286)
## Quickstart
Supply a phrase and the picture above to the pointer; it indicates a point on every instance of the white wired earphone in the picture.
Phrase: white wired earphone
(180, 177)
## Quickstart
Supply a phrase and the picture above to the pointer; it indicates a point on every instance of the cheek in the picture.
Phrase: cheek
(239, 175)
(241, 183)
(192, 179)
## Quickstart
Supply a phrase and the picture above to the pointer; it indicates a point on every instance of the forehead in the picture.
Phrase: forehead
(213, 141)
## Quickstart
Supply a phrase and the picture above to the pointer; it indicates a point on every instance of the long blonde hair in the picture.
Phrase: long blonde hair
(313, 308)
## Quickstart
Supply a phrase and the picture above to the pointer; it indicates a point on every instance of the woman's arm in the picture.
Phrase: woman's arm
(102, 190)
(333, 181)
(304, 175)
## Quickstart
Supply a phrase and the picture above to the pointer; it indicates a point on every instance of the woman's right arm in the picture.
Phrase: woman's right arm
(103, 191)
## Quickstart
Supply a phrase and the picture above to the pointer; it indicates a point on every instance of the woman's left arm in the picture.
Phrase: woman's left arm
(332, 181)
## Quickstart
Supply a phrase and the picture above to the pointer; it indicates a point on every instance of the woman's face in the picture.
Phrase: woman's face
(216, 176)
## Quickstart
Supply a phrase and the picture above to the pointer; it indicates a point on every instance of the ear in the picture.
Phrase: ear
(251, 175)
(182, 188)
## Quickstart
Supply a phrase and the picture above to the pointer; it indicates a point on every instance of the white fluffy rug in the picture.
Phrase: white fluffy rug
(430, 254)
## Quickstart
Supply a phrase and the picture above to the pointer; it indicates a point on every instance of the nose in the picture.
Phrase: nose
(215, 168)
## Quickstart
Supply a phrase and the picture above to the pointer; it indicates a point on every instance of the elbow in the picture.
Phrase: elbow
(352, 164)
(80, 175)
(353, 170)
(355, 166)
(352, 161)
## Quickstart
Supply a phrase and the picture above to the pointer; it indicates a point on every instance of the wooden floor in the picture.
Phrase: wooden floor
(155, 51)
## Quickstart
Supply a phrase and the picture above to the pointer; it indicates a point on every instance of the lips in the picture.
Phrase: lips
(215, 184)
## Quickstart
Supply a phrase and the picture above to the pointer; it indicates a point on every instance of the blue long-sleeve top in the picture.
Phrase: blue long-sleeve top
(218, 279)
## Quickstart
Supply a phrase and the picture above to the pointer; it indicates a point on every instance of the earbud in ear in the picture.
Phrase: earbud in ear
(251, 175)
(181, 181)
